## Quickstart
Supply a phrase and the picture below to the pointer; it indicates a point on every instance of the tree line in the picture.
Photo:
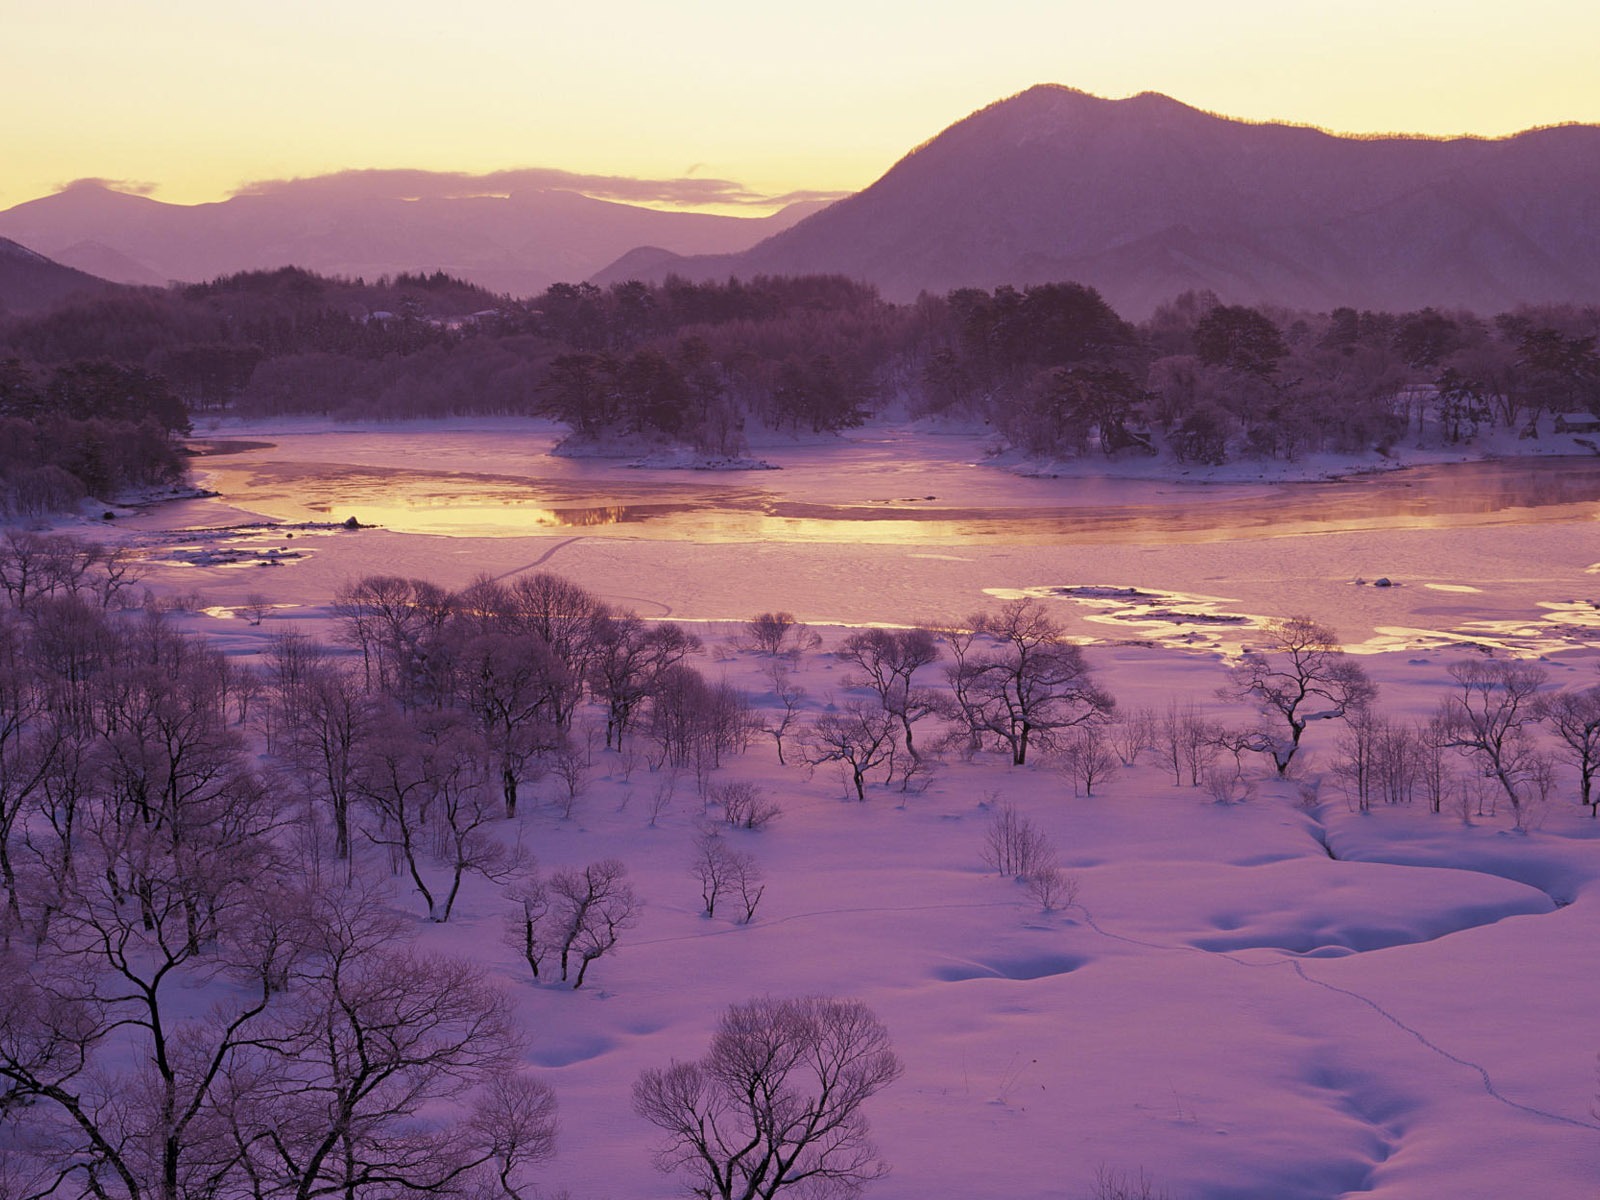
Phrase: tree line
(1052, 368)
(81, 429)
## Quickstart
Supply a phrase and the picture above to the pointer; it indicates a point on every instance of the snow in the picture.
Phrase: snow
(1227, 1008)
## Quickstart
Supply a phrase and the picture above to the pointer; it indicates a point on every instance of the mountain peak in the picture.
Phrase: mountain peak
(1144, 197)
(1060, 99)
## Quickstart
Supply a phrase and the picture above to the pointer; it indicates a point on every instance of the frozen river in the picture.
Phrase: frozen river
(896, 526)
(865, 491)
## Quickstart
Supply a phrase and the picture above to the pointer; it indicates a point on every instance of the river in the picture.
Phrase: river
(892, 526)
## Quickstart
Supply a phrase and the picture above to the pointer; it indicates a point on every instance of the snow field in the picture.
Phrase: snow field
(1229, 1009)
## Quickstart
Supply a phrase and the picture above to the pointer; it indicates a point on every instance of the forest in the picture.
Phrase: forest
(1051, 369)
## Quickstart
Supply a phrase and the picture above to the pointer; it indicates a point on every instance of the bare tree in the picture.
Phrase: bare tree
(713, 868)
(241, 685)
(420, 776)
(779, 634)
(661, 799)
(1052, 887)
(629, 659)
(776, 1103)
(27, 748)
(1026, 684)
(119, 572)
(518, 694)
(1300, 676)
(723, 871)
(1187, 745)
(696, 723)
(589, 909)
(1236, 742)
(342, 1098)
(101, 1046)
(567, 618)
(1575, 719)
(1398, 762)
(1226, 784)
(323, 716)
(572, 767)
(1431, 741)
(42, 566)
(1132, 733)
(889, 660)
(397, 624)
(1014, 845)
(750, 882)
(1119, 1185)
(744, 805)
(1487, 718)
(1357, 768)
(857, 737)
(526, 927)
(462, 842)
(1086, 758)
(255, 607)
(790, 696)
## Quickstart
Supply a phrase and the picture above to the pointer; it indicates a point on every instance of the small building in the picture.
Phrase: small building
(1577, 422)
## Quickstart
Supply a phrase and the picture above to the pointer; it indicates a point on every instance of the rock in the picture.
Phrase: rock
(352, 523)
(1382, 581)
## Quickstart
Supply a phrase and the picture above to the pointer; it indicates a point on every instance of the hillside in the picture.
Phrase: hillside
(30, 282)
(1145, 197)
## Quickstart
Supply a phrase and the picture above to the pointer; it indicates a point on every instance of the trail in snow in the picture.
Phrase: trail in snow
(540, 561)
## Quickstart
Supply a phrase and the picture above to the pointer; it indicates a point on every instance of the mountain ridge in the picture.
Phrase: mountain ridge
(30, 282)
(513, 244)
(1054, 183)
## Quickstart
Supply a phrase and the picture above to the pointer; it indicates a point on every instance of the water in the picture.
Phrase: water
(857, 494)
(897, 526)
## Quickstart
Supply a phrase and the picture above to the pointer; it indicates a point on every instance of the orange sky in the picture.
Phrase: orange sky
(196, 97)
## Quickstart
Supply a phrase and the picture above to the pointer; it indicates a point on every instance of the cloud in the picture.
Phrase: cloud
(94, 182)
(407, 184)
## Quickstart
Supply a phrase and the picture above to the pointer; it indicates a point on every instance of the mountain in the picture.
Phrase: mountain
(31, 282)
(99, 259)
(517, 244)
(1146, 197)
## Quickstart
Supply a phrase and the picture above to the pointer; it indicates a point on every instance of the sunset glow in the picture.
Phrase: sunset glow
(192, 100)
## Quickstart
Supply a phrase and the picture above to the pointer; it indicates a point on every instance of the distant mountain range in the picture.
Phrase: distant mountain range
(1144, 198)
(519, 244)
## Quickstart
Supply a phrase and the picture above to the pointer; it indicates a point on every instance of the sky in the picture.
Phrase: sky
(191, 100)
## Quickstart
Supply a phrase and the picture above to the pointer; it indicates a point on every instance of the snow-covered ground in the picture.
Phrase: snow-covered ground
(1280, 999)
(1228, 1008)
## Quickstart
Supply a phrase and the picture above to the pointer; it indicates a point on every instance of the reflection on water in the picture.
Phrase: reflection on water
(608, 500)
(492, 520)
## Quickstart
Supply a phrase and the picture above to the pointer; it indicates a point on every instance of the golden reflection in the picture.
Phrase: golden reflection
(602, 500)
(502, 520)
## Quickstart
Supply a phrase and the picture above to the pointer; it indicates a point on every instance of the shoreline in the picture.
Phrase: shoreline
(227, 435)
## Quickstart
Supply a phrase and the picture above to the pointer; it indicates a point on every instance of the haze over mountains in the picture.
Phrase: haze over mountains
(362, 224)
(1144, 198)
